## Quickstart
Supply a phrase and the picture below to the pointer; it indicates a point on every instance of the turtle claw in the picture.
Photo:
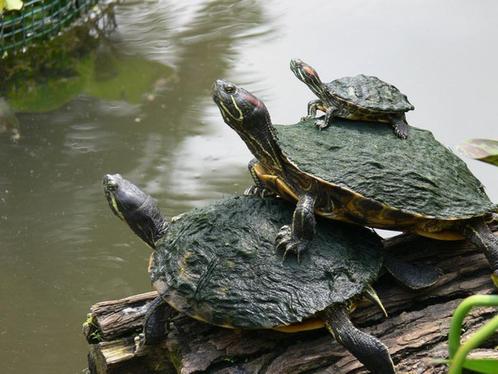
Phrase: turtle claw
(321, 124)
(401, 129)
(139, 341)
(289, 243)
(259, 191)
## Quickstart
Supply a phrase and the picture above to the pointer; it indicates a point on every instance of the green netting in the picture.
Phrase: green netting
(39, 19)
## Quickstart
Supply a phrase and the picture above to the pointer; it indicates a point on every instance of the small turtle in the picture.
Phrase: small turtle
(217, 264)
(361, 97)
(356, 174)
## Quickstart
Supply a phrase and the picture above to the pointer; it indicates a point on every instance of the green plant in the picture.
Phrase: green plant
(458, 352)
(10, 5)
(485, 150)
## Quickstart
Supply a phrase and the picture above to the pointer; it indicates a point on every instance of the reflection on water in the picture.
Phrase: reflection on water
(62, 250)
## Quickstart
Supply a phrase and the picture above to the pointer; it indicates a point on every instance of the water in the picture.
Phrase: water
(61, 249)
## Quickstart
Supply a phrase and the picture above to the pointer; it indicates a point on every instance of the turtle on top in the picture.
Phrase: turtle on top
(357, 174)
(216, 264)
(362, 97)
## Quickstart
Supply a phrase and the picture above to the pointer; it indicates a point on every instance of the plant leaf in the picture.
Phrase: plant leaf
(13, 4)
(479, 365)
(485, 150)
(482, 365)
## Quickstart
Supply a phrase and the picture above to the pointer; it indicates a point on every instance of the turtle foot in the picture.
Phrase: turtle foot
(401, 130)
(289, 243)
(321, 124)
(140, 343)
(259, 191)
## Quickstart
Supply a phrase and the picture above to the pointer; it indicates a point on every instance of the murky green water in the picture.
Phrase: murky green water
(61, 249)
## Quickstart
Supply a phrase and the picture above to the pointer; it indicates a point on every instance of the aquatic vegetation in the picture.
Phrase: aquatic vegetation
(458, 352)
(485, 150)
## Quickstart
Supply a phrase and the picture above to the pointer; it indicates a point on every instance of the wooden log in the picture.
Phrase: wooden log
(415, 333)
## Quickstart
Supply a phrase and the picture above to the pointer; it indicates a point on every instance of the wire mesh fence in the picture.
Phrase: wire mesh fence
(38, 20)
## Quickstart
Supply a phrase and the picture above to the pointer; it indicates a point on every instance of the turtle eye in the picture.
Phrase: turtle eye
(229, 88)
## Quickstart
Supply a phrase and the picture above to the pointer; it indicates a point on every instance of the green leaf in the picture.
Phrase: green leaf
(483, 365)
(479, 365)
(485, 150)
(10, 5)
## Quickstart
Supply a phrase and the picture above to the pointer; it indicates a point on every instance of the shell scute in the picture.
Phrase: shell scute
(246, 284)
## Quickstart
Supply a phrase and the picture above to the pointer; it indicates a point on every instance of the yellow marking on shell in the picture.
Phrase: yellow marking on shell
(310, 324)
(285, 190)
(183, 263)
(198, 317)
(441, 235)
(151, 263)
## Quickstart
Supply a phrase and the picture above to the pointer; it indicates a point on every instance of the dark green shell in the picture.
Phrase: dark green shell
(418, 175)
(219, 264)
(370, 93)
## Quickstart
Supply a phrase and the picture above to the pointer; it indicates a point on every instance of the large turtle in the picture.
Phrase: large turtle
(217, 264)
(362, 97)
(353, 172)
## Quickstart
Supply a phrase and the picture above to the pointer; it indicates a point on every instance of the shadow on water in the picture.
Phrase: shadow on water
(59, 240)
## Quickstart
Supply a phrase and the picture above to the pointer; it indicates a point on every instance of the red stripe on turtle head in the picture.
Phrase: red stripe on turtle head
(309, 70)
(252, 99)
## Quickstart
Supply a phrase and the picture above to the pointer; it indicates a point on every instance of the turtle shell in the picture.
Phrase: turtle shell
(417, 176)
(370, 93)
(218, 264)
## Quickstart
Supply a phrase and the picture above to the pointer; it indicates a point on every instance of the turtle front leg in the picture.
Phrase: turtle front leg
(295, 238)
(313, 106)
(479, 234)
(369, 350)
(327, 121)
(400, 126)
(258, 188)
(155, 323)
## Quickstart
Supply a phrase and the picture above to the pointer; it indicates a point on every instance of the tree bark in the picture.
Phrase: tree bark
(416, 331)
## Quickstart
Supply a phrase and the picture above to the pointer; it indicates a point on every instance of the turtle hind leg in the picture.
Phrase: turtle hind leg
(370, 351)
(155, 323)
(415, 277)
(479, 234)
(400, 126)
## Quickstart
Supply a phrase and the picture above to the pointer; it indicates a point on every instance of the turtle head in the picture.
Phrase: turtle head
(241, 110)
(138, 209)
(248, 116)
(306, 74)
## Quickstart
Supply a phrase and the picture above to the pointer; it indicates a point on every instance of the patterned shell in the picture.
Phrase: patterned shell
(218, 264)
(418, 175)
(370, 93)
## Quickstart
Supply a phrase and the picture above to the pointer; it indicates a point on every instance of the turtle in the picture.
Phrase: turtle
(217, 264)
(361, 97)
(356, 174)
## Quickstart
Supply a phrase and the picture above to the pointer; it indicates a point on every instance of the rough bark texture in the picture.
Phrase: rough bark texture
(415, 332)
